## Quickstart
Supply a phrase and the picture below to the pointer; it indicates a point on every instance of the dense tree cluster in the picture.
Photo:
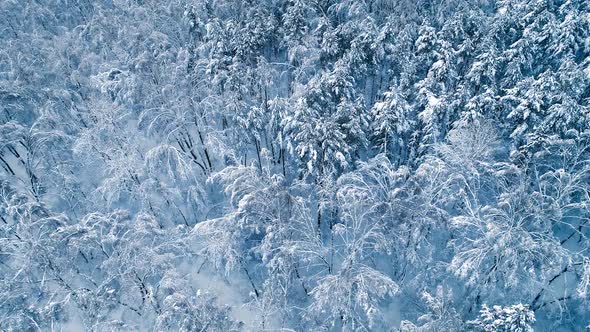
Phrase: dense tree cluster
(295, 165)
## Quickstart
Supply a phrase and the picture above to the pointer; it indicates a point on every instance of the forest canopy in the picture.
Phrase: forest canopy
(294, 165)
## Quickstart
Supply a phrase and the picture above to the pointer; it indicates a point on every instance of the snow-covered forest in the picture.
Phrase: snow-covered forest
(295, 165)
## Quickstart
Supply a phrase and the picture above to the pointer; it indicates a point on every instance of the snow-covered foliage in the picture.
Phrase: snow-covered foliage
(514, 318)
(294, 165)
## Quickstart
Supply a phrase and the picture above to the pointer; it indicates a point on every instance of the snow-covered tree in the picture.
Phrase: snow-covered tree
(517, 318)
